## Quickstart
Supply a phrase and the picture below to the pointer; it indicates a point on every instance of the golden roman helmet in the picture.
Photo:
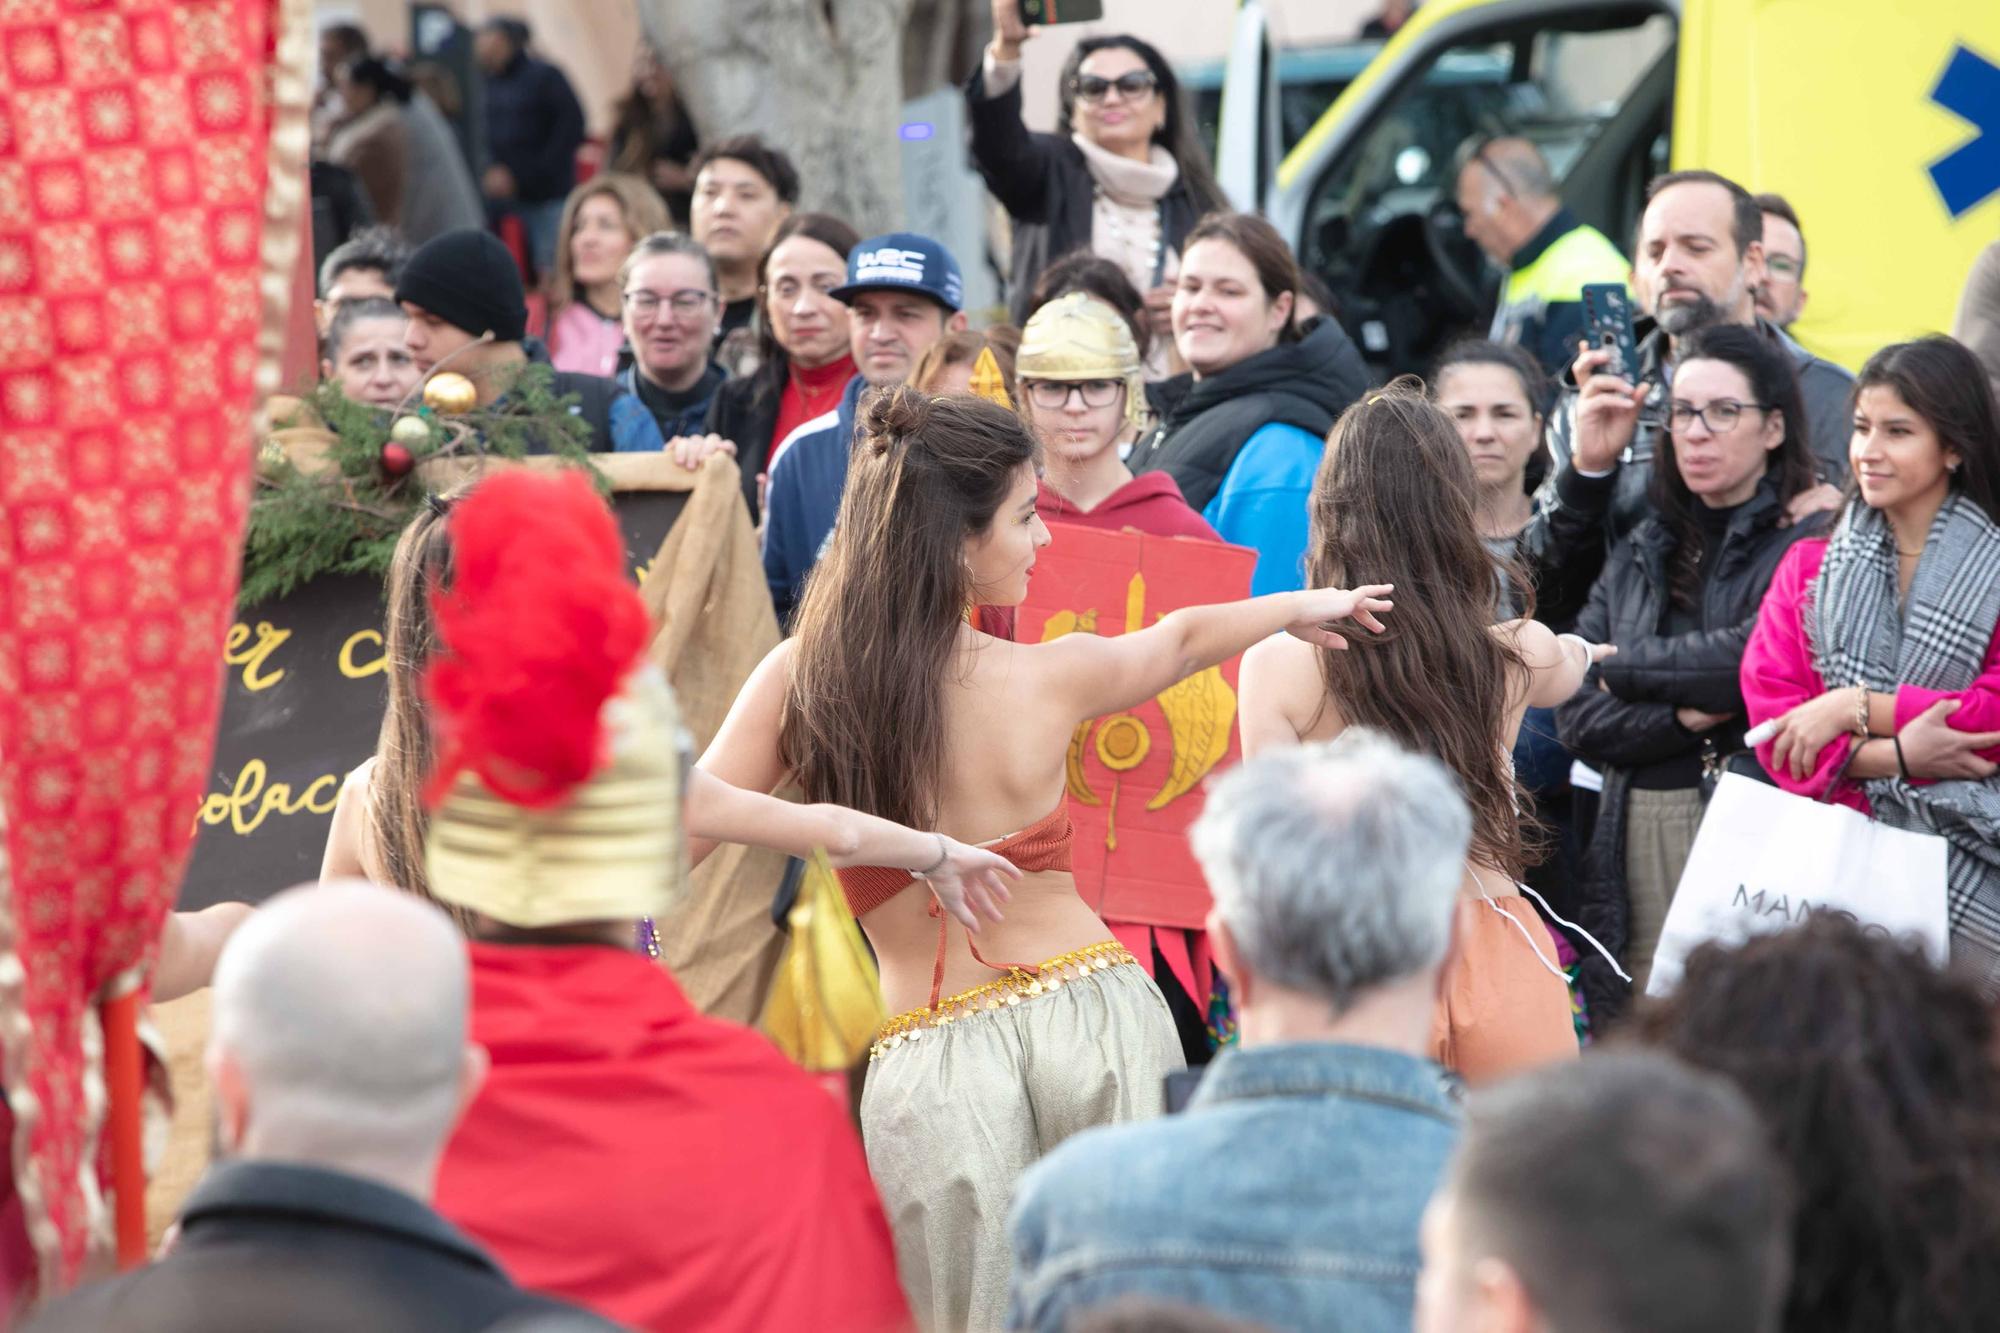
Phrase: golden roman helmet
(611, 850)
(1078, 337)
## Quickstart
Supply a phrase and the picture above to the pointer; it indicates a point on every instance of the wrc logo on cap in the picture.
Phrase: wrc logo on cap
(890, 264)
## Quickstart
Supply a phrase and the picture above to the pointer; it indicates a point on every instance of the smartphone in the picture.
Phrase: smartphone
(1061, 11)
(1607, 322)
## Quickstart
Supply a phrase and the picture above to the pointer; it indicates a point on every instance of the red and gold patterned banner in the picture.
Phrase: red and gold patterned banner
(140, 252)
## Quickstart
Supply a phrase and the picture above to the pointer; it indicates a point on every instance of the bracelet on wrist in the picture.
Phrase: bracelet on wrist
(944, 854)
(1583, 645)
(1861, 712)
(1902, 768)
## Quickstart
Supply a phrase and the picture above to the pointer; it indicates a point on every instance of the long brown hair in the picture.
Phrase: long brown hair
(877, 629)
(1393, 503)
(1767, 369)
(398, 821)
(1176, 133)
(638, 202)
(773, 361)
(1259, 242)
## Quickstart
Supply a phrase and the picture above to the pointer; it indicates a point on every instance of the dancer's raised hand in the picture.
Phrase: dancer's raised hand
(1320, 609)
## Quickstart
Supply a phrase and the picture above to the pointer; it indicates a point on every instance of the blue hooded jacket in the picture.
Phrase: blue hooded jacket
(804, 498)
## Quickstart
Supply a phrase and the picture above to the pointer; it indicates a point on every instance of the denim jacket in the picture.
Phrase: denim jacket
(1288, 1193)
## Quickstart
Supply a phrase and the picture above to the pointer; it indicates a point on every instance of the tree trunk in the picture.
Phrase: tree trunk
(821, 79)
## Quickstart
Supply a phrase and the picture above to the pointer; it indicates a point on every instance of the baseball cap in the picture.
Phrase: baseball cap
(904, 261)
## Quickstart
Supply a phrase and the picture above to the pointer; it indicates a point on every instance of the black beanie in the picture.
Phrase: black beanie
(467, 278)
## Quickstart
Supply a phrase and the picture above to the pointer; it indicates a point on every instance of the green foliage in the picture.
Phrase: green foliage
(343, 516)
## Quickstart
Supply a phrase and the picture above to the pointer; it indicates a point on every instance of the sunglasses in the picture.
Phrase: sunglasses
(1133, 86)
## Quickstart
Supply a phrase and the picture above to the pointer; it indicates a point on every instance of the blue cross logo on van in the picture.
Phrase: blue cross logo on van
(1970, 90)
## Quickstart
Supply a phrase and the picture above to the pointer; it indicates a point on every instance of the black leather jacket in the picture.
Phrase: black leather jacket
(1046, 187)
(1563, 544)
(1630, 722)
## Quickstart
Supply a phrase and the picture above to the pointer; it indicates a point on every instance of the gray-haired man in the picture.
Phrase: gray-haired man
(1291, 1191)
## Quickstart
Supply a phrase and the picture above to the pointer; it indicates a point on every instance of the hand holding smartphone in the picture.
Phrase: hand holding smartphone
(1607, 374)
(1043, 12)
(1607, 322)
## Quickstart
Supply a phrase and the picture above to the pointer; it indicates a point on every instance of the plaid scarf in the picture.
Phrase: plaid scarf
(1860, 636)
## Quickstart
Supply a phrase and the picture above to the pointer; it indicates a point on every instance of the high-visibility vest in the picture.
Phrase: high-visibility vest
(1580, 255)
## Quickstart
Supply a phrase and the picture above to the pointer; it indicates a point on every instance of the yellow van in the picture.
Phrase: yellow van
(1879, 122)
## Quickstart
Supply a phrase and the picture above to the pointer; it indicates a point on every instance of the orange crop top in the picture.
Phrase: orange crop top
(1043, 845)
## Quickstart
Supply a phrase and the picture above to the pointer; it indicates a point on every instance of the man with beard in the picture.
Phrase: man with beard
(1700, 262)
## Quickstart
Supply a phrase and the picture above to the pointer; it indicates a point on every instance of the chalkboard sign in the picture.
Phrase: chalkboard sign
(302, 705)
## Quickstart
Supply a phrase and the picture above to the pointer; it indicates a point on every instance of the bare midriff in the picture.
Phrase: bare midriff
(1044, 919)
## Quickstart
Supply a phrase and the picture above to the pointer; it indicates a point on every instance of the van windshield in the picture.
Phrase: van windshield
(1380, 213)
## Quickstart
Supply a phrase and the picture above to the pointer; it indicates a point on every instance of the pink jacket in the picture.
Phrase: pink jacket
(1778, 675)
(584, 341)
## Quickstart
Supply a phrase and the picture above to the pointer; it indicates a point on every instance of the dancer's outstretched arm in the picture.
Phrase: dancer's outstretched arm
(1558, 664)
(1105, 675)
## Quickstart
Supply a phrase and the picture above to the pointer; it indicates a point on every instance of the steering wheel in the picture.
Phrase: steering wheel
(1445, 245)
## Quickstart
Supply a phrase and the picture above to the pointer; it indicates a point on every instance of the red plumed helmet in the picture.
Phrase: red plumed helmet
(538, 629)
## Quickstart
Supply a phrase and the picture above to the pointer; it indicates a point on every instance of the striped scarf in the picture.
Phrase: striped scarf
(1860, 636)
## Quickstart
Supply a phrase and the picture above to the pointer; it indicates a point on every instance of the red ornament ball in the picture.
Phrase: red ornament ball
(397, 460)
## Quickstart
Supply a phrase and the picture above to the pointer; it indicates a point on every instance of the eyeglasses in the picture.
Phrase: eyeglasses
(686, 303)
(1053, 395)
(1131, 86)
(1719, 417)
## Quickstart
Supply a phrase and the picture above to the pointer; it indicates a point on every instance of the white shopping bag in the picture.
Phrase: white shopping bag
(1765, 859)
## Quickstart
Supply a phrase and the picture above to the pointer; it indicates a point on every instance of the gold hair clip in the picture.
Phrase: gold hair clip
(1375, 398)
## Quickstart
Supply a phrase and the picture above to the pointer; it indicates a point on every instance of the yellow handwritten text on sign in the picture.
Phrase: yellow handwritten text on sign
(249, 803)
(354, 670)
(252, 649)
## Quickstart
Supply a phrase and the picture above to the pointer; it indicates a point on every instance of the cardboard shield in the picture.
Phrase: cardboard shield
(1135, 778)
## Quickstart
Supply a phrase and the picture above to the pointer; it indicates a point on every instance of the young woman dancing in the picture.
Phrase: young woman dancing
(380, 820)
(1396, 493)
(887, 700)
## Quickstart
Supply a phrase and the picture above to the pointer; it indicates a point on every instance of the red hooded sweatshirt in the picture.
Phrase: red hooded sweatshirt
(1150, 502)
(667, 1170)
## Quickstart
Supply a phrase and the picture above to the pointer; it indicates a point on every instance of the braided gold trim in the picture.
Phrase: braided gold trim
(1012, 989)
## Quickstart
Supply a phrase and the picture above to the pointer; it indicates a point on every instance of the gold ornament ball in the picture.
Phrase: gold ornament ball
(270, 458)
(450, 393)
(411, 431)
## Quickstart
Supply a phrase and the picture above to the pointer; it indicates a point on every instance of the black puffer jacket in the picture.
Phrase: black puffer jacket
(1046, 187)
(1630, 722)
(1305, 384)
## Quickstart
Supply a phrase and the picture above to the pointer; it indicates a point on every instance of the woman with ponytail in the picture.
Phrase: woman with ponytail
(381, 821)
(887, 699)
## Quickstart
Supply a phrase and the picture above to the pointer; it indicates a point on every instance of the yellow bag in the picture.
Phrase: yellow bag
(825, 1004)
